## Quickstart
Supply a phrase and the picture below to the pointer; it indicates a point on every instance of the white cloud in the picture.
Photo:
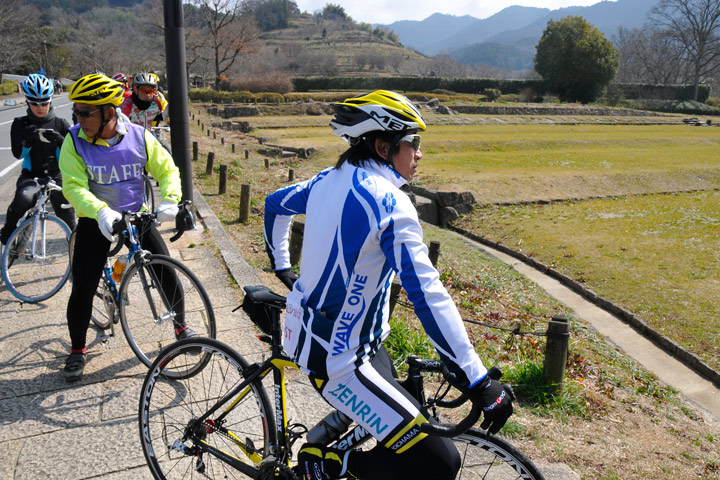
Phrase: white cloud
(388, 11)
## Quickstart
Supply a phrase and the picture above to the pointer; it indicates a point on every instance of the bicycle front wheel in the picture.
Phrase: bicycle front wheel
(157, 301)
(228, 441)
(36, 261)
(493, 458)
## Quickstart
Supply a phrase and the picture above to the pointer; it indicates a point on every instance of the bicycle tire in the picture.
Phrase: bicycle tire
(31, 277)
(104, 311)
(148, 334)
(168, 406)
(490, 457)
(149, 192)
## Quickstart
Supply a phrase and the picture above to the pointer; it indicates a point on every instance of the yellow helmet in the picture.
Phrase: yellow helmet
(97, 89)
(380, 110)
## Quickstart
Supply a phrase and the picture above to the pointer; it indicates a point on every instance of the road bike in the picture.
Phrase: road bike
(219, 422)
(35, 262)
(155, 296)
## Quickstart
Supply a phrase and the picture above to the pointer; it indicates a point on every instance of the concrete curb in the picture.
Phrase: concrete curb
(689, 359)
(233, 259)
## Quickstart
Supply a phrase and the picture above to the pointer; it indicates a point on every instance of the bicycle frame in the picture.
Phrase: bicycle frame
(135, 254)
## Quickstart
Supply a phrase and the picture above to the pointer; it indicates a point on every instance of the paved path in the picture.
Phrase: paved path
(671, 371)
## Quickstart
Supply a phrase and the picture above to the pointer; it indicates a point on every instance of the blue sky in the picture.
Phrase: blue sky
(388, 11)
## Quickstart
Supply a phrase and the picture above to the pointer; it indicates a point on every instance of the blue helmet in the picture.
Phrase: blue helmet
(37, 88)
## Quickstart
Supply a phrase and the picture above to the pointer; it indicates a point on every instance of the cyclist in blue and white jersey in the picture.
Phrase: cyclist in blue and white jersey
(361, 230)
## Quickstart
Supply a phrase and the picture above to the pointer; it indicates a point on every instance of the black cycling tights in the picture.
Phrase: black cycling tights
(432, 458)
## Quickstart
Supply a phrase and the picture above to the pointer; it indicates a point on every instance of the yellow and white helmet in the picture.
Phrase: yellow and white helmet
(380, 110)
(97, 89)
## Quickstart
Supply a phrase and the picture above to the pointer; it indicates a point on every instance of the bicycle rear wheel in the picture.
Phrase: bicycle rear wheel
(35, 262)
(493, 458)
(156, 300)
(175, 445)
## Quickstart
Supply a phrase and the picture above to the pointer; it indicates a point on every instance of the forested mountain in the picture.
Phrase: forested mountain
(508, 38)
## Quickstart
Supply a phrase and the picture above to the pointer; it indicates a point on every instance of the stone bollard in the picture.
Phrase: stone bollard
(244, 203)
(395, 289)
(556, 350)
(210, 162)
(222, 185)
(296, 240)
(434, 253)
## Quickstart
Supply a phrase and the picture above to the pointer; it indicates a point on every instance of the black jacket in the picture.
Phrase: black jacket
(40, 159)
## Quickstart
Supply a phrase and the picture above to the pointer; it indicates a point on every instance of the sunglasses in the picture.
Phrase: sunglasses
(84, 113)
(413, 139)
(39, 104)
(146, 90)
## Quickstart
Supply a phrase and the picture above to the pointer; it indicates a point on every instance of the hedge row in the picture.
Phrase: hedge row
(210, 95)
(480, 85)
(634, 91)
(7, 87)
(415, 84)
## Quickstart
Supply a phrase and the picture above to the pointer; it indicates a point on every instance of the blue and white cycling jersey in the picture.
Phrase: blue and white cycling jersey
(360, 229)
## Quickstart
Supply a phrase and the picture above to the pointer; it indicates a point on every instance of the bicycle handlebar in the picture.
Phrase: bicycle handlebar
(122, 226)
(450, 430)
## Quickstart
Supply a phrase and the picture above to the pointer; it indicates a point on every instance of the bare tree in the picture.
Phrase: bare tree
(649, 55)
(16, 37)
(228, 33)
(695, 24)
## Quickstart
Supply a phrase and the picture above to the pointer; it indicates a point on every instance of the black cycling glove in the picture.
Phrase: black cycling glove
(28, 134)
(53, 137)
(496, 401)
(287, 277)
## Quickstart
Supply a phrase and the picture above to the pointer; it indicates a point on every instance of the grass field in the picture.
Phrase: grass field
(655, 254)
(614, 420)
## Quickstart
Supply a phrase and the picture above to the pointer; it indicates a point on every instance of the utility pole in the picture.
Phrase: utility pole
(47, 67)
(178, 92)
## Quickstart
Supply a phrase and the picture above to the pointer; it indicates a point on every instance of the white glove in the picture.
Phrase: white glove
(167, 211)
(106, 218)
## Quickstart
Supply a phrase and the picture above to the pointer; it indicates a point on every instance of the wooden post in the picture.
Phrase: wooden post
(247, 154)
(296, 240)
(222, 187)
(233, 148)
(244, 203)
(395, 289)
(267, 163)
(222, 140)
(291, 175)
(556, 349)
(210, 161)
(195, 152)
(434, 253)
(214, 135)
(208, 132)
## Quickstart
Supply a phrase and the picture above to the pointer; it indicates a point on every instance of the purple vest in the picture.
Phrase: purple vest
(115, 173)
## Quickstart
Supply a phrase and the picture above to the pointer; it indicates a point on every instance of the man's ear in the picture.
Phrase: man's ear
(382, 148)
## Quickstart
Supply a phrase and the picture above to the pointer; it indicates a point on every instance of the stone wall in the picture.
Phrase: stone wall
(440, 208)
(502, 110)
